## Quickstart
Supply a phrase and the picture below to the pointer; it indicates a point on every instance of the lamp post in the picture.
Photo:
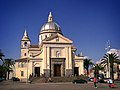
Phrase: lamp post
(107, 49)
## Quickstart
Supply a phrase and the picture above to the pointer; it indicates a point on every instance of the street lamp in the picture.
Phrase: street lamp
(107, 49)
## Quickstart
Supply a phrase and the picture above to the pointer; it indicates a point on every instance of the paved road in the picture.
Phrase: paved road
(9, 85)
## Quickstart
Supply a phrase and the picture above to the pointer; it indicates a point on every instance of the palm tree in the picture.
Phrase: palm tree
(1, 55)
(113, 58)
(1, 71)
(97, 68)
(87, 64)
(1, 67)
(7, 65)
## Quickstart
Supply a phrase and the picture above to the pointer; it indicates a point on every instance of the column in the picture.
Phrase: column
(44, 58)
(81, 68)
(70, 58)
(30, 68)
(48, 61)
(68, 62)
(48, 57)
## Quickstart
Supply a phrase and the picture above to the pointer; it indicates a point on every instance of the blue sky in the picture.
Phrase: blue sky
(89, 23)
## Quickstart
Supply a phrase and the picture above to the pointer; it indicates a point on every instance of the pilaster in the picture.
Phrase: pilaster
(68, 72)
(70, 58)
(67, 58)
(48, 57)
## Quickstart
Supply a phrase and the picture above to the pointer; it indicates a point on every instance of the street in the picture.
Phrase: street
(10, 85)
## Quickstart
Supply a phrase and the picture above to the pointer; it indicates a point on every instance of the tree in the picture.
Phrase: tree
(97, 68)
(1, 71)
(87, 64)
(7, 65)
(113, 58)
(1, 55)
(1, 67)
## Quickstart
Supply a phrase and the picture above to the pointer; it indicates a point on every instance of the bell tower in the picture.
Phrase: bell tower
(25, 44)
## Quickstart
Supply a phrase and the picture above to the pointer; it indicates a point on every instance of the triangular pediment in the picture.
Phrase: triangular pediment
(57, 38)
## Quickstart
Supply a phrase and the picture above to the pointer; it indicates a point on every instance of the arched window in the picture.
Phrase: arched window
(22, 73)
(19, 64)
(24, 54)
(51, 34)
(22, 65)
(57, 54)
(45, 36)
(25, 43)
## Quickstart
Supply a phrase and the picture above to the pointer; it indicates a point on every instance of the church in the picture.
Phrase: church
(54, 55)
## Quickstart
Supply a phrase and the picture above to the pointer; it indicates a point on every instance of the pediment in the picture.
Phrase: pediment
(57, 38)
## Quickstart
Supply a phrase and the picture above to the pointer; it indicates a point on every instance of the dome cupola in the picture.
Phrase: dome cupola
(49, 28)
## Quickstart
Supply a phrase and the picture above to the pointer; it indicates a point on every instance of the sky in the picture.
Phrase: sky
(89, 23)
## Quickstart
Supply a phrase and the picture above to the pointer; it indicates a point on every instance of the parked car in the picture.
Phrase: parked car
(90, 79)
(106, 80)
(79, 81)
(1, 79)
(102, 81)
(15, 79)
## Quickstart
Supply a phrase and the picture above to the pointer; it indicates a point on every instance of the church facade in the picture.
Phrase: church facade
(55, 54)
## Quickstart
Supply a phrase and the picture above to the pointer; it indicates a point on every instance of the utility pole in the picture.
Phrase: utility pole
(107, 48)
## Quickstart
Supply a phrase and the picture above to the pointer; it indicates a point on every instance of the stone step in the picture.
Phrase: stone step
(58, 79)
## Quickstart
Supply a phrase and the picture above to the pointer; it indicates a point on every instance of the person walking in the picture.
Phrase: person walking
(95, 82)
(49, 79)
(110, 82)
(30, 77)
(44, 78)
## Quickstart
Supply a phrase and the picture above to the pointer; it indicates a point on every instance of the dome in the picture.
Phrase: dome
(50, 26)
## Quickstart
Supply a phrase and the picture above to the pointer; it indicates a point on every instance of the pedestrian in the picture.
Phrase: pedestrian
(44, 78)
(110, 82)
(95, 82)
(30, 78)
(49, 79)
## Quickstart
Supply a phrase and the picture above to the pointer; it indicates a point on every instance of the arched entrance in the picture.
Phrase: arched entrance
(37, 71)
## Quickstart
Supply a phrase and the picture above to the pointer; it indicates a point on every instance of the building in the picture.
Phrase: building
(55, 54)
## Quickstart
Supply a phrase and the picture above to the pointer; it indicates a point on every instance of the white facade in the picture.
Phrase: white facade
(55, 54)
